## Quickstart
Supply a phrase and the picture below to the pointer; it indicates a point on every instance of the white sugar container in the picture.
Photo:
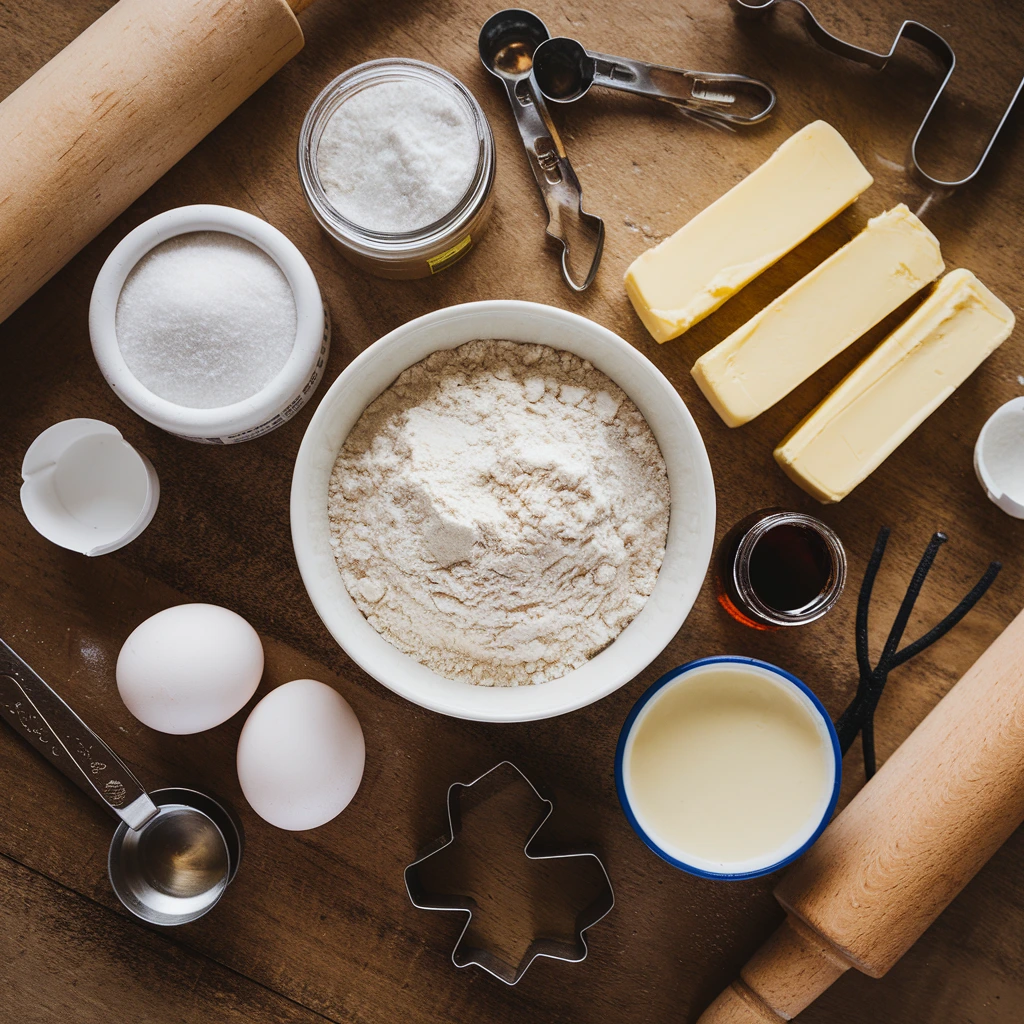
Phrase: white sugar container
(396, 160)
(206, 321)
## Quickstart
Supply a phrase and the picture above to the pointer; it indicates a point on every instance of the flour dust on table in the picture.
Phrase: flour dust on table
(500, 512)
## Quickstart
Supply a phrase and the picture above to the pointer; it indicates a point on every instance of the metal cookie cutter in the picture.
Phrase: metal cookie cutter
(912, 30)
(507, 42)
(466, 952)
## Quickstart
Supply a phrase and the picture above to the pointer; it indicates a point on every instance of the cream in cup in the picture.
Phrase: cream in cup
(728, 768)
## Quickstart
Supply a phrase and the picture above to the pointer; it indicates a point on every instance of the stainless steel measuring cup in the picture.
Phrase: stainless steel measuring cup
(507, 43)
(564, 71)
(173, 853)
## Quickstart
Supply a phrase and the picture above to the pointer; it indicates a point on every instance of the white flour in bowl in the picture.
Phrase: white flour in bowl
(500, 512)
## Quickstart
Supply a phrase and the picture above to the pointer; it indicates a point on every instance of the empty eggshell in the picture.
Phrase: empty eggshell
(301, 755)
(189, 668)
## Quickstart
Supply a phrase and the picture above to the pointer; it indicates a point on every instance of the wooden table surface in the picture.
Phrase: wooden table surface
(317, 924)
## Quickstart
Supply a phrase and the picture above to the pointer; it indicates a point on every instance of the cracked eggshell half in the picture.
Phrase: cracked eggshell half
(300, 755)
(999, 457)
(86, 488)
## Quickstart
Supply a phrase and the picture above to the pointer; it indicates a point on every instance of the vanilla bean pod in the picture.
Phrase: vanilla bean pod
(859, 715)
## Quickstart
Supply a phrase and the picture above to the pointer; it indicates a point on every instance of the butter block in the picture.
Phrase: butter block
(810, 178)
(896, 388)
(824, 312)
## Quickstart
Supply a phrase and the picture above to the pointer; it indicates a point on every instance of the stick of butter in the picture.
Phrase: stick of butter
(803, 185)
(885, 399)
(824, 312)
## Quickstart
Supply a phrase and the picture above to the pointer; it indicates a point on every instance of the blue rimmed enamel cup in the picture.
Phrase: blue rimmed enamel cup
(728, 768)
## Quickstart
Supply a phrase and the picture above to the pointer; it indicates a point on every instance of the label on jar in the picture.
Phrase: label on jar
(449, 256)
(290, 409)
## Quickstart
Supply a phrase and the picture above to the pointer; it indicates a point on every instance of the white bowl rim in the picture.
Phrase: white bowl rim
(642, 640)
(239, 416)
(995, 489)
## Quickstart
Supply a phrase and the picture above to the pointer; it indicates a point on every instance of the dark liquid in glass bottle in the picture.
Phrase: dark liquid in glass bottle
(777, 568)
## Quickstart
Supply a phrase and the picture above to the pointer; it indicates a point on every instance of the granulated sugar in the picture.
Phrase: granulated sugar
(206, 319)
(397, 156)
(500, 512)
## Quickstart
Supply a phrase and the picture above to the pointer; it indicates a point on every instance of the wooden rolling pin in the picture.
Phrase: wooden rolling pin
(87, 134)
(912, 838)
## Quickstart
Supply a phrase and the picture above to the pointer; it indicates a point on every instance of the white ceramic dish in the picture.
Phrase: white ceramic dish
(86, 488)
(281, 398)
(691, 523)
(999, 457)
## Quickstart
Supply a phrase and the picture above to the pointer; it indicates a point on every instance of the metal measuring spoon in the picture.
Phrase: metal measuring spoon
(564, 71)
(170, 861)
(507, 44)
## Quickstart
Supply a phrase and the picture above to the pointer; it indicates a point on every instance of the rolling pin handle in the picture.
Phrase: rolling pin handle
(738, 1005)
(906, 844)
(783, 977)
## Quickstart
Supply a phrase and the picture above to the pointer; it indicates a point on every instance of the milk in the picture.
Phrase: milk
(729, 768)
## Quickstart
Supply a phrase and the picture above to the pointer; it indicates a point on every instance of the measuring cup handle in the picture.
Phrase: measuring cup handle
(35, 711)
(713, 95)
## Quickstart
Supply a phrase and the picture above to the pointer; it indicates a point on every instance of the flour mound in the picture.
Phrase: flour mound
(500, 512)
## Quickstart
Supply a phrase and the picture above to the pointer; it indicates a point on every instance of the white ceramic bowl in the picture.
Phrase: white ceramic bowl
(280, 398)
(691, 523)
(999, 457)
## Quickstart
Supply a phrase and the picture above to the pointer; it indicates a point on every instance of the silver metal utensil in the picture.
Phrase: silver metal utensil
(913, 31)
(172, 856)
(469, 949)
(564, 71)
(507, 44)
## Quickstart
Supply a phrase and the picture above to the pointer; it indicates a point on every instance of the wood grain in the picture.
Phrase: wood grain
(945, 801)
(77, 962)
(321, 918)
(906, 844)
(108, 115)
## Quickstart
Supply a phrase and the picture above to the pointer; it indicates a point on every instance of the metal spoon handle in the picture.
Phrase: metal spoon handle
(35, 711)
(725, 97)
(568, 223)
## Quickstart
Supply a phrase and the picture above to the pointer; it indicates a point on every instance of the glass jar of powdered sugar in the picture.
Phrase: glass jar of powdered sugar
(208, 322)
(396, 160)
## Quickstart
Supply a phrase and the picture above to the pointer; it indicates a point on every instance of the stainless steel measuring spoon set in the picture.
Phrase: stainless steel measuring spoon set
(516, 47)
(174, 851)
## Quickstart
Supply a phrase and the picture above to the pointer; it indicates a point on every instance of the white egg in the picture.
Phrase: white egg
(189, 668)
(301, 755)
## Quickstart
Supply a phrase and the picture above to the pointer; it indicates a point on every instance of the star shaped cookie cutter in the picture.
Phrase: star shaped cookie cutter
(466, 953)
